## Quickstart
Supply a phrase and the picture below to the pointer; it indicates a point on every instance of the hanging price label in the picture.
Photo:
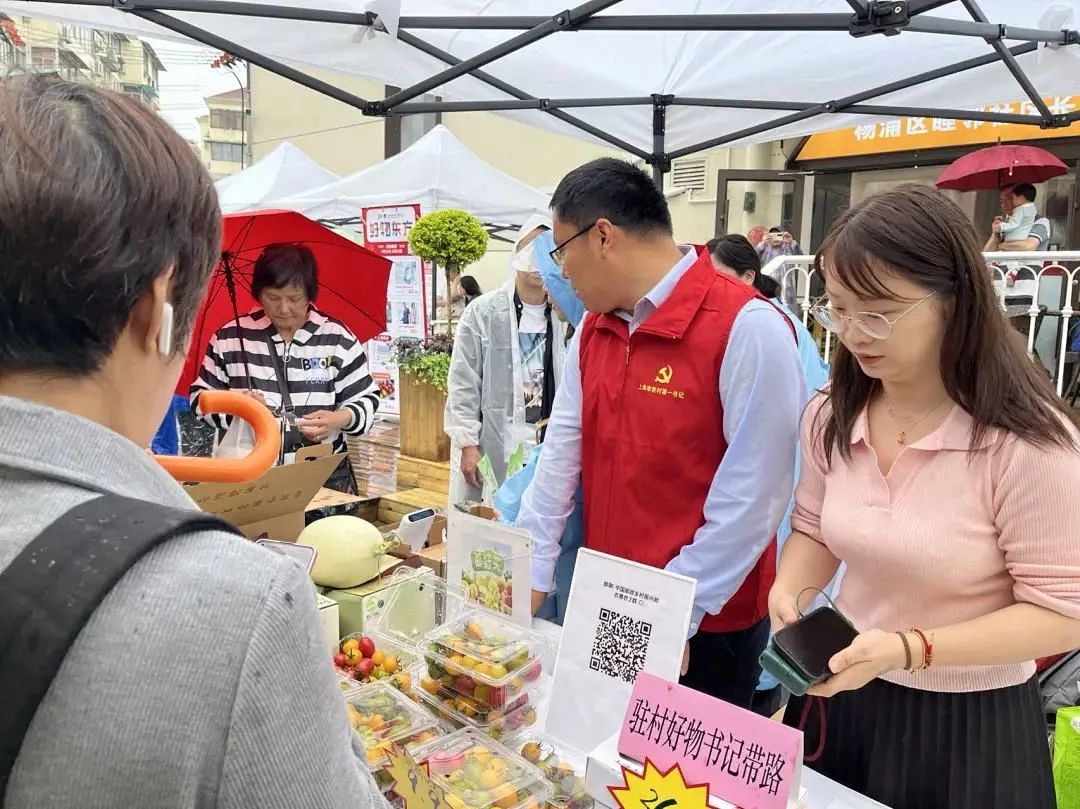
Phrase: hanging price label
(658, 790)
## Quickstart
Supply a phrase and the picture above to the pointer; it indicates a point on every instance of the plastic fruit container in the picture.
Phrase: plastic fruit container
(370, 659)
(485, 657)
(461, 711)
(477, 772)
(346, 682)
(382, 716)
(561, 765)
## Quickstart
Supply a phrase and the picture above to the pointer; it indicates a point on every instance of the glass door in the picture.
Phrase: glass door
(750, 199)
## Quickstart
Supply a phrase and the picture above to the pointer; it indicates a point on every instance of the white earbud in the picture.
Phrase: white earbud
(165, 336)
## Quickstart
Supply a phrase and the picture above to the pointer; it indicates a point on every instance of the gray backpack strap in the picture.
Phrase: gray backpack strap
(50, 590)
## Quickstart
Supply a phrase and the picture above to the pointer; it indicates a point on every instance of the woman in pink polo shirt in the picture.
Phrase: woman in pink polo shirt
(943, 469)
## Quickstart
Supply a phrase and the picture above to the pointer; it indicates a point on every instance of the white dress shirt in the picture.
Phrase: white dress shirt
(762, 391)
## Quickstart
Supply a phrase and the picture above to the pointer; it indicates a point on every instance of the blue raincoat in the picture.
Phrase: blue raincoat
(508, 497)
(816, 371)
(167, 440)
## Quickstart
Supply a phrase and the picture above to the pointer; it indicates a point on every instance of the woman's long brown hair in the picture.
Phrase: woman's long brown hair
(916, 232)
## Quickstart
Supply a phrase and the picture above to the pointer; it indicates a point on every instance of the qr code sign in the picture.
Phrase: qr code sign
(620, 646)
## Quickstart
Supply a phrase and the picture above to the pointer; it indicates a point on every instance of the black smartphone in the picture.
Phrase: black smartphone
(809, 643)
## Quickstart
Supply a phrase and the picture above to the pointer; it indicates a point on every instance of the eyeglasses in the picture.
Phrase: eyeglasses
(872, 324)
(557, 255)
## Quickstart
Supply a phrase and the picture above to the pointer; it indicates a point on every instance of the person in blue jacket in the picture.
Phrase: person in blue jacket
(734, 255)
(167, 440)
(508, 498)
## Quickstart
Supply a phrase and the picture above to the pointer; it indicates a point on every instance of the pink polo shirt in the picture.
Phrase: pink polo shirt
(948, 536)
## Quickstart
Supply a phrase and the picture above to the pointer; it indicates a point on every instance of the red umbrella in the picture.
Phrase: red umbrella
(999, 166)
(352, 279)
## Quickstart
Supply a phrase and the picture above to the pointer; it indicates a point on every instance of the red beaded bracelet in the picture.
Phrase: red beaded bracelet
(928, 648)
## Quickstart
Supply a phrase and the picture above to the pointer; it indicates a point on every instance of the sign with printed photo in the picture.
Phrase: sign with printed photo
(384, 370)
(408, 319)
(492, 562)
(611, 633)
(386, 228)
(406, 278)
(386, 232)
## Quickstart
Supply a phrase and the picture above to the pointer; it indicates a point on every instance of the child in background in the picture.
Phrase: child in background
(1018, 226)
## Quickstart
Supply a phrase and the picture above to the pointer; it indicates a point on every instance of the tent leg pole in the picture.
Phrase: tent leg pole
(659, 158)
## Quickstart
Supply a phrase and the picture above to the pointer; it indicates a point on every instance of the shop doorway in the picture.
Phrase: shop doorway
(832, 196)
(747, 199)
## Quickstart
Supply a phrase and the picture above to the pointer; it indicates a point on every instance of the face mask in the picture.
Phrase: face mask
(523, 259)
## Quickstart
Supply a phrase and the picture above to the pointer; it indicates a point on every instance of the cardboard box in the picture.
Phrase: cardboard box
(475, 509)
(358, 604)
(435, 558)
(329, 615)
(273, 506)
(436, 536)
(331, 503)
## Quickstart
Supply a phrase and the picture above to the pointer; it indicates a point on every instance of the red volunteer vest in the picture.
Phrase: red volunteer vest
(652, 430)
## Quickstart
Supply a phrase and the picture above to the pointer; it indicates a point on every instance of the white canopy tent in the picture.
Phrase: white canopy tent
(284, 172)
(657, 78)
(439, 172)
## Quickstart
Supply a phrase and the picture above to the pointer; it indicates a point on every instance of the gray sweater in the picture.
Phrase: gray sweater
(203, 680)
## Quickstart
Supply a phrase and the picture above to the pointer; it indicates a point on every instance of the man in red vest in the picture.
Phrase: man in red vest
(679, 409)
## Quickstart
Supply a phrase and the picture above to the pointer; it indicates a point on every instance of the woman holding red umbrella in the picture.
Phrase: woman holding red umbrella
(306, 366)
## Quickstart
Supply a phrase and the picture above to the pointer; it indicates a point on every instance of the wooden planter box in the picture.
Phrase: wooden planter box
(421, 413)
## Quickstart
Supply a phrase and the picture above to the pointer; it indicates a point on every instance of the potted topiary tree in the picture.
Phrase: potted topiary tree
(452, 240)
(424, 371)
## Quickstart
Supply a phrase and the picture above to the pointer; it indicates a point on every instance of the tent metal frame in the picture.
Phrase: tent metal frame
(867, 18)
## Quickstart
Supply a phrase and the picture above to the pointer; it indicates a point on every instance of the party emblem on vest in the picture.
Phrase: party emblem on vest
(663, 380)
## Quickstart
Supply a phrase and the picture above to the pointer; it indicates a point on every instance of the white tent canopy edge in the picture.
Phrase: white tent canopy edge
(284, 172)
(658, 78)
(438, 172)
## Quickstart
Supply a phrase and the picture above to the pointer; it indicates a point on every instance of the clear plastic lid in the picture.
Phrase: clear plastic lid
(346, 682)
(475, 771)
(421, 613)
(381, 714)
(562, 765)
(487, 648)
(370, 658)
(462, 711)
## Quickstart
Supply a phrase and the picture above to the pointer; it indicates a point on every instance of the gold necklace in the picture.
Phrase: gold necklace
(901, 430)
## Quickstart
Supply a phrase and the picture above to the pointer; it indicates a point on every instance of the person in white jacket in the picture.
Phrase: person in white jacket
(507, 360)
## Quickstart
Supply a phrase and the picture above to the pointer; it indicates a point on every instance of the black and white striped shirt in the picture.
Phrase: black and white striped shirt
(325, 364)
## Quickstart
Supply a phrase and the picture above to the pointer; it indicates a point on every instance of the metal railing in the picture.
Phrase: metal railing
(1016, 275)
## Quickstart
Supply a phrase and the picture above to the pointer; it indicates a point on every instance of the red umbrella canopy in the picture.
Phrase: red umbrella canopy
(999, 166)
(352, 279)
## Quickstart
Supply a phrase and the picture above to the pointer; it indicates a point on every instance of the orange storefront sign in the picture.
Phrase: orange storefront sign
(910, 134)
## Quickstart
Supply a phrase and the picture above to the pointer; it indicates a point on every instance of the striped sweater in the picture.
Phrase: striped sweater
(325, 364)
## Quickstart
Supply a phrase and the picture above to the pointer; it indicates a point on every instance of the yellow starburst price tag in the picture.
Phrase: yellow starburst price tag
(413, 783)
(659, 790)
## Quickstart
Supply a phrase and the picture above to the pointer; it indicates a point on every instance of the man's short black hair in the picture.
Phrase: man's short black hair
(775, 230)
(283, 265)
(98, 197)
(608, 188)
(1025, 190)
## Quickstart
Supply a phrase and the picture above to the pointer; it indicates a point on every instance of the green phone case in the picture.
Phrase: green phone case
(787, 675)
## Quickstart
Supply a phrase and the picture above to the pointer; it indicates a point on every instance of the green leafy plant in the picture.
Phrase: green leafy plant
(450, 239)
(426, 360)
